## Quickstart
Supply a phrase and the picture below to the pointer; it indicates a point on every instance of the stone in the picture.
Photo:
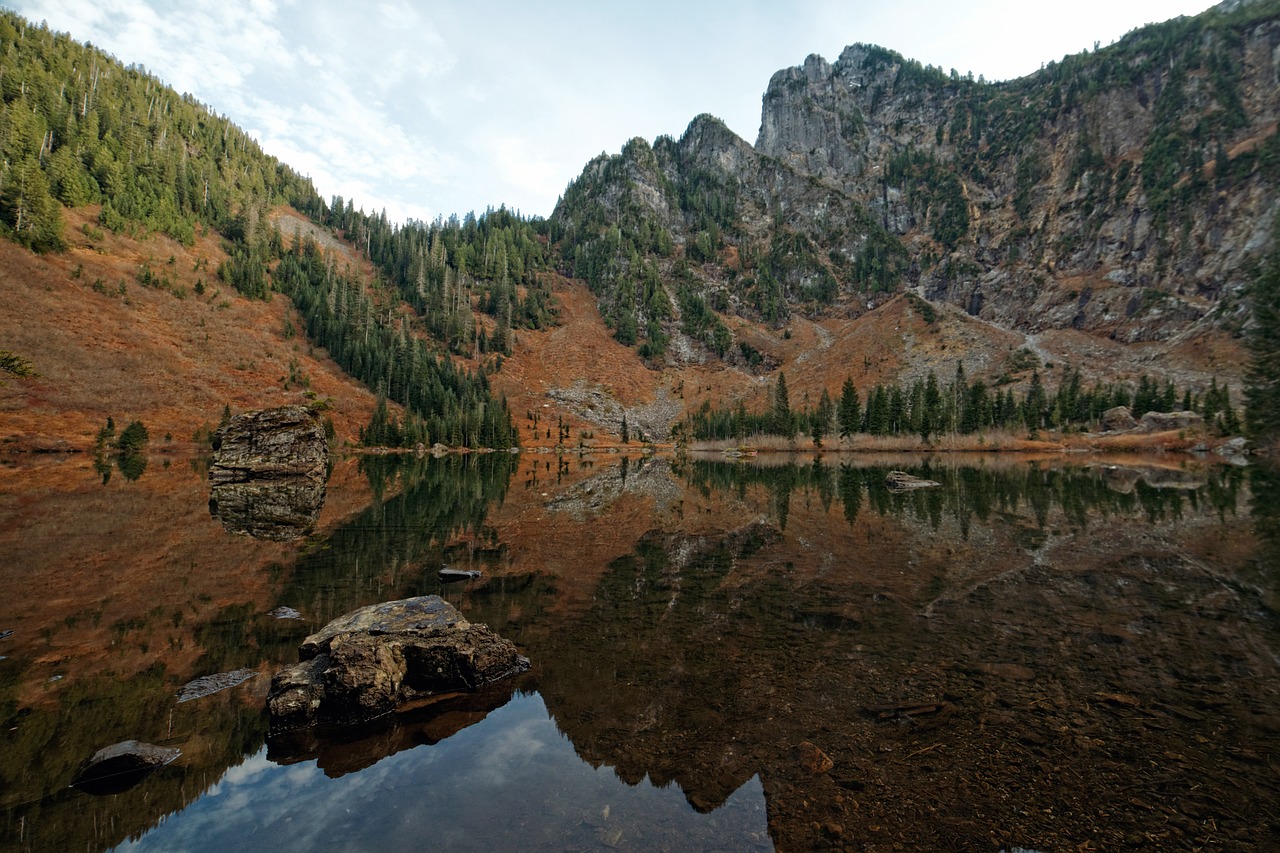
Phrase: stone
(120, 766)
(901, 480)
(1237, 446)
(386, 657)
(285, 442)
(1163, 421)
(1118, 419)
(814, 760)
(207, 685)
(448, 574)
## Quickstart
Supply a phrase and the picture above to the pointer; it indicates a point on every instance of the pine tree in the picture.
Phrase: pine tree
(850, 416)
(781, 421)
(1262, 391)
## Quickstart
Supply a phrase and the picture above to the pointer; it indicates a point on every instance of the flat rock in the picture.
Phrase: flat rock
(122, 765)
(1163, 421)
(449, 574)
(386, 657)
(813, 759)
(207, 685)
(899, 480)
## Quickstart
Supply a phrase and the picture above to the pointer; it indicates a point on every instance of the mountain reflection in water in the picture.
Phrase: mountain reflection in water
(1034, 654)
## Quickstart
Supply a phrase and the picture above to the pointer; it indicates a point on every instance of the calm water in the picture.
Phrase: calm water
(1043, 654)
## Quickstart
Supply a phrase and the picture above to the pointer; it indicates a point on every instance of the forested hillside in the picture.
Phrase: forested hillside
(80, 129)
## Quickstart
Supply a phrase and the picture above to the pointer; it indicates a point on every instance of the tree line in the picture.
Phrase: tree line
(929, 408)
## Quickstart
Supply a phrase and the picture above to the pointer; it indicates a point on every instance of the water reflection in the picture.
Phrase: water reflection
(278, 510)
(487, 787)
(1042, 655)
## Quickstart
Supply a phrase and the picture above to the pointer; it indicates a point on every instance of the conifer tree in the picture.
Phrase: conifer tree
(781, 421)
(1262, 392)
(850, 416)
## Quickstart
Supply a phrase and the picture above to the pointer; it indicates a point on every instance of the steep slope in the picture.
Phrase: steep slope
(1123, 197)
(124, 159)
(171, 354)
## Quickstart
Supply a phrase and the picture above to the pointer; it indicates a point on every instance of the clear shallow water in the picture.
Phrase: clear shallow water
(1037, 655)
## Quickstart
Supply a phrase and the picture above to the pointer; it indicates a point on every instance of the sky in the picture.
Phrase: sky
(436, 107)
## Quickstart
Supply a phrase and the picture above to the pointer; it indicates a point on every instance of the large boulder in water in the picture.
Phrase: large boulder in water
(387, 656)
(284, 442)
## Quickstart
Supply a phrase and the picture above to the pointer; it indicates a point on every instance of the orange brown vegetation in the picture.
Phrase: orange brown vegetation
(105, 346)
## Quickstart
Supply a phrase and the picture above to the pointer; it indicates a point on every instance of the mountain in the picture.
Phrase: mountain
(1120, 197)
(1099, 222)
(144, 309)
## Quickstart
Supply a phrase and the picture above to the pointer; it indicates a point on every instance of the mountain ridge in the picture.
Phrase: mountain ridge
(1106, 214)
(1126, 193)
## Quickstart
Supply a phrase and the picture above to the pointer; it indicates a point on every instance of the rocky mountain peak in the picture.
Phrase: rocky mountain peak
(1125, 193)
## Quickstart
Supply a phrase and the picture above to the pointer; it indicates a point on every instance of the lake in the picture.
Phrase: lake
(1068, 652)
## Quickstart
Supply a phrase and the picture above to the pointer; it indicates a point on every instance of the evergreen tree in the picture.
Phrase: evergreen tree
(1262, 391)
(781, 421)
(850, 415)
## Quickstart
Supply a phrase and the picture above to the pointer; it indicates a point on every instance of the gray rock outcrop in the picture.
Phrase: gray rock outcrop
(272, 443)
(384, 657)
(1118, 419)
(1162, 421)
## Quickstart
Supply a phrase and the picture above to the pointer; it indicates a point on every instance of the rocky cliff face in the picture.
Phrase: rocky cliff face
(1127, 193)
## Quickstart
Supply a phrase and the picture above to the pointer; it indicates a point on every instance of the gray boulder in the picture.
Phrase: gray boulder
(1164, 421)
(384, 657)
(120, 766)
(1118, 419)
(284, 442)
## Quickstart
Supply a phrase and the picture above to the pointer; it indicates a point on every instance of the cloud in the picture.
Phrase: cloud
(450, 106)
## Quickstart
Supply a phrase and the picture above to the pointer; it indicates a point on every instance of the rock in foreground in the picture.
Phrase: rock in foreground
(386, 656)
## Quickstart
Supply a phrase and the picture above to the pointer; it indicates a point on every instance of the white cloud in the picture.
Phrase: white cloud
(451, 106)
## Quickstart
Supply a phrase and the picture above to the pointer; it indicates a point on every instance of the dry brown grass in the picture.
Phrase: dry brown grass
(1004, 441)
(171, 358)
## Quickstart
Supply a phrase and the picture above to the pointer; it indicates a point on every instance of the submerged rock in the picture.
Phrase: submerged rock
(386, 656)
(449, 574)
(207, 685)
(898, 480)
(284, 442)
(120, 766)
(283, 612)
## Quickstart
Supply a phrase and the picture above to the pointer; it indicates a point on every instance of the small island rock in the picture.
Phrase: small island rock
(285, 442)
(118, 767)
(385, 656)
